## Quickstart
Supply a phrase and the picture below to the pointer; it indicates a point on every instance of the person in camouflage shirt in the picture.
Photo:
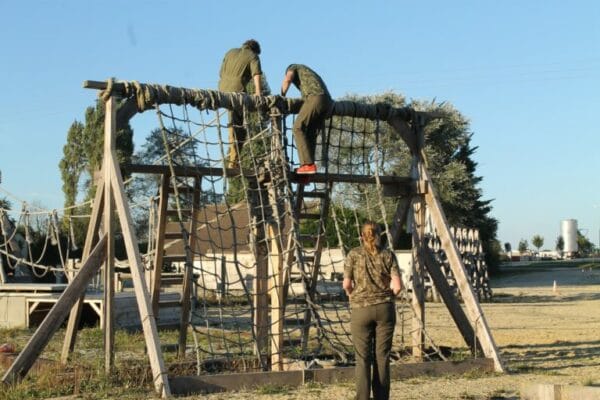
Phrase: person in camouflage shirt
(372, 280)
(315, 108)
(239, 67)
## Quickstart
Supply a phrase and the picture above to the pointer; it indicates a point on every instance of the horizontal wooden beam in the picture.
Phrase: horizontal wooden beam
(148, 95)
(187, 385)
(401, 181)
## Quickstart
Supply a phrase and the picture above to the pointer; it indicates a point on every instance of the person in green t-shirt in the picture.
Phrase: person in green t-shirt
(315, 108)
(372, 280)
(239, 67)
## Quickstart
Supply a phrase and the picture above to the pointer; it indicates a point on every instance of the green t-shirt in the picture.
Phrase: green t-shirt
(372, 276)
(237, 69)
(308, 82)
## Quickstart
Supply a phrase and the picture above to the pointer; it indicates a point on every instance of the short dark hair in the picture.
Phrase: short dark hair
(252, 45)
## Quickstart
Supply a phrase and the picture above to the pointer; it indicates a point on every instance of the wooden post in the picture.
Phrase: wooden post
(418, 275)
(188, 273)
(277, 309)
(160, 242)
(402, 209)
(90, 239)
(159, 373)
(57, 315)
(440, 282)
(476, 316)
(110, 132)
(261, 289)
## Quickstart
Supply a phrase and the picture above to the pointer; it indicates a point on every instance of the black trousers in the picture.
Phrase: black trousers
(372, 333)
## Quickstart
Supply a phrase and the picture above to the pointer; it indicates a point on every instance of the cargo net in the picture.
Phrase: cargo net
(250, 212)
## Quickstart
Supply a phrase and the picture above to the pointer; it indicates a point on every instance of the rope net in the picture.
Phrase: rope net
(266, 247)
(252, 230)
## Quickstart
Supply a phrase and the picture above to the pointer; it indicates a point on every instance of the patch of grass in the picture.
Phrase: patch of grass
(314, 387)
(273, 389)
(501, 394)
(522, 368)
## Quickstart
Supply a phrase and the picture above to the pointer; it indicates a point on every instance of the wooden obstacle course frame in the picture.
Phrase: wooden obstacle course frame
(111, 200)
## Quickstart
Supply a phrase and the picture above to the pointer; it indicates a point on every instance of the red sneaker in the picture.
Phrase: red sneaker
(307, 169)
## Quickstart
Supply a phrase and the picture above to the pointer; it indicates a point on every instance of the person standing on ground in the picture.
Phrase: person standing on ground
(315, 108)
(372, 280)
(239, 67)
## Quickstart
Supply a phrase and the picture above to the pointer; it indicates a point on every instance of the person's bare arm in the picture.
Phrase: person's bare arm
(287, 80)
(396, 284)
(348, 286)
(257, 85)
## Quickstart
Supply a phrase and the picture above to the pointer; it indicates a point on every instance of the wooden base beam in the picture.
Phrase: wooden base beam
(188, 385)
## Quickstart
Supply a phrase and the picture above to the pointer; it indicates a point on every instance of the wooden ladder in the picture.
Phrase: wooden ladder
(310, 244)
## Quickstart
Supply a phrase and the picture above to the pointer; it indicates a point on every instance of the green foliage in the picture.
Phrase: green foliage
(450, 162)
(82, 157)
(560, 244)
(5, 203)
(537, 241)
(523, 246)
(584, 245)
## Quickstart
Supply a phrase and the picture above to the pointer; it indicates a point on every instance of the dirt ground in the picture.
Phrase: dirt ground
(545, 335)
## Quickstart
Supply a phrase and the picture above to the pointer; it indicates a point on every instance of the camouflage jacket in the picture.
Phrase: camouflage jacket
(308, 82)
(372, 275)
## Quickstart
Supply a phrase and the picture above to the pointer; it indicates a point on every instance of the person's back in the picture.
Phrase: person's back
(239, 66)
(308, 81)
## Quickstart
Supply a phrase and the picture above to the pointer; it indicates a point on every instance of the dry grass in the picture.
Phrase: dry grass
(544, 336)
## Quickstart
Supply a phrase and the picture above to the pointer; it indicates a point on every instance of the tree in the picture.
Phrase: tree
(5, 203)
(73, 162)
(82, 157)
(82, 154)
(450, 162)
(523, 246)
(560, 244)
(584, 245)
(537, 241)
(507, 247)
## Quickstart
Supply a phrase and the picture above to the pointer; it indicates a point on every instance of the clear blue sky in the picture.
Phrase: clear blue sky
(526, 74)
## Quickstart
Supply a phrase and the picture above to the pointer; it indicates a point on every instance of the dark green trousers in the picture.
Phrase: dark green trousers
(309, 120)
(372, 332)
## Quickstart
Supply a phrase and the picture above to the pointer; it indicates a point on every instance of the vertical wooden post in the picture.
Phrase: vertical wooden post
(418, 275)
(160, 242)
(110, 132)
(276, 290)
(261, 289)
(142, 294)
(90, 238)
(188, 273)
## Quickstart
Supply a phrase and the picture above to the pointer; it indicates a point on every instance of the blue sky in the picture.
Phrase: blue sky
(526, 74)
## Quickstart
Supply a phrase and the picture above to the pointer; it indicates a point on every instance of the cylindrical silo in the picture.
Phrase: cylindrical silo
(568, 230)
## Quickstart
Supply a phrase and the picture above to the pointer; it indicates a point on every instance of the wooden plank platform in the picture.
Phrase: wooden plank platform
(26, 308)
(32, 287)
